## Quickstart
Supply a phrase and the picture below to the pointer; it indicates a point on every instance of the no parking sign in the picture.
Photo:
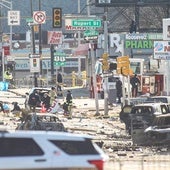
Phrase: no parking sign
(39, 17)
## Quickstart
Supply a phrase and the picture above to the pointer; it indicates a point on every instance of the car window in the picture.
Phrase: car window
(164, 109)
(76, 147)
(19, 147)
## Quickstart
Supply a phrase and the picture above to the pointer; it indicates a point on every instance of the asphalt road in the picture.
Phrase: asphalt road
(123, 155)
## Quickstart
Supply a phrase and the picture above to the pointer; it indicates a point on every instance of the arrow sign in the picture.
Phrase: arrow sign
(13, 17)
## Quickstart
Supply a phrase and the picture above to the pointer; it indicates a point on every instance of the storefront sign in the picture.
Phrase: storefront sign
(139, 44)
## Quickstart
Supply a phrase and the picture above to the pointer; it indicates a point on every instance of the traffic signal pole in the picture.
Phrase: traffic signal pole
(105, 51)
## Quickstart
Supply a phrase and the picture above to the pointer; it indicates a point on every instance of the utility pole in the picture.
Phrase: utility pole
(93, 74)
(33, 43)
(105, 51)
(40, 46)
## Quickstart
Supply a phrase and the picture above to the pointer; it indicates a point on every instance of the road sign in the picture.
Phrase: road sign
(59, 59)
(39, 17)
(13, 17)
(89, 33)
(29, 20)
(34, 65)
(34, 55)
(86, 23)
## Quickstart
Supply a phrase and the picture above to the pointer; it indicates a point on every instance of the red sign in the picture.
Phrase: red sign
(6, 50)
(55, 37)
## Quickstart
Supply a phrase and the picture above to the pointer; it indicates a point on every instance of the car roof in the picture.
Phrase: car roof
(151, 104)
(40, 88)
(45, 134)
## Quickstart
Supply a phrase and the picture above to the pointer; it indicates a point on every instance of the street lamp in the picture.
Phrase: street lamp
(7, 5)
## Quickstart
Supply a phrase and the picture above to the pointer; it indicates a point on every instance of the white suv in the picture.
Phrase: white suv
(23, 150)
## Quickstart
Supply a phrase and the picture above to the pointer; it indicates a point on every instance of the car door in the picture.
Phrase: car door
(21, 153)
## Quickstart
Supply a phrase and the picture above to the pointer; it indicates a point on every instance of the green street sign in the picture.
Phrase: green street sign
(59, 63)
(90, 33)
(86, 23)
(29, 20)
(59, 59)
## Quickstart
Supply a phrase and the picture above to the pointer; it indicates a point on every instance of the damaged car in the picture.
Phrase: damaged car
(159, 132)
(41, 121)
(141, 116)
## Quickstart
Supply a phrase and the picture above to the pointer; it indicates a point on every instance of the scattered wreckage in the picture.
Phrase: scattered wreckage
(142, 114)
(41, 121)
(139, 117)
(159, 132)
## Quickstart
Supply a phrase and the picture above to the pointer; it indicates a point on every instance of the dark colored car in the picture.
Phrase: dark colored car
(142, 115)
(159, 132)
(41, 121)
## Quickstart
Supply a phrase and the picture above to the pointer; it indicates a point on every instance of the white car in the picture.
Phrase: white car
(35, 150)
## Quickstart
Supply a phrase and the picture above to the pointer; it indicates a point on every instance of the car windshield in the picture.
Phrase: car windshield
(156, 100)
(146, 110)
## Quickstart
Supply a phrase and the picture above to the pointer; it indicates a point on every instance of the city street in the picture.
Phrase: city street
(108, 132)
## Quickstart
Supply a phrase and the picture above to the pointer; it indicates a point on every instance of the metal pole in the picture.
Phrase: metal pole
(94, 79)
(3, 65)
(105, 51)
(79, 42)
(40, 46)
(33, 44)
(10, 31)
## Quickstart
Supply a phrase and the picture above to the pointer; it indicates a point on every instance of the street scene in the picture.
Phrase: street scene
(84, 84)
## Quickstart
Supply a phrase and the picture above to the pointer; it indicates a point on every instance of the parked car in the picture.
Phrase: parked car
(159, 132)
(41, 90)
(142, 115)
(23, 150)
(41, 121)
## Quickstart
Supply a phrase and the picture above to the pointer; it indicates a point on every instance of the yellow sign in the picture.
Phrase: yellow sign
(123, 65)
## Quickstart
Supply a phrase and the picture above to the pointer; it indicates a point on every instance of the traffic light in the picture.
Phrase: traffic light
(105, 63)
(57, 18)
(34, 62)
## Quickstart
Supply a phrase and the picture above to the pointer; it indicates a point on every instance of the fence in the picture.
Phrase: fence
(70, 80)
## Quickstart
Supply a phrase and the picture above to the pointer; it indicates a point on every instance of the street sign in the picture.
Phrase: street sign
(34, 55)
(39, 17)
(86, 23)
(90, 33)
(29, 20)
(59, 59)
(13, 18)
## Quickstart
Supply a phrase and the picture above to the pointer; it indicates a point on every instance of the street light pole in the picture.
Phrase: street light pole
(40, 46)
(33, 43)
(105, 51)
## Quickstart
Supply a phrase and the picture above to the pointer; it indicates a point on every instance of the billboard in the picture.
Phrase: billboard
(162, 50)
(166, 29)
